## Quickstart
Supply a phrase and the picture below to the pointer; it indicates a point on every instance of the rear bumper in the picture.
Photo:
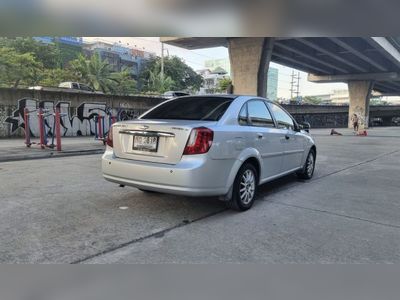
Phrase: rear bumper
(194, 175)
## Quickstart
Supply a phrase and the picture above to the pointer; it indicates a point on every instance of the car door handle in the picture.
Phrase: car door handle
(287, 137)
(260, 135)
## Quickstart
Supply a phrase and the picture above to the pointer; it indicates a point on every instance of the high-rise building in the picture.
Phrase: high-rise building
(272, 83)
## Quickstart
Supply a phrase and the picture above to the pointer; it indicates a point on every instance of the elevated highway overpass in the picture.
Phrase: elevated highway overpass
(367, 64)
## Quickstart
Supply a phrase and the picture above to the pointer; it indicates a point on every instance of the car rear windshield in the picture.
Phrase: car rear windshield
(191, 108)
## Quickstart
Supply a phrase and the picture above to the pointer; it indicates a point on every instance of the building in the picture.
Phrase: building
(119, 57)
(325, 99)
(272, 83)
(392, 100)
(211, 80)
(336, 97)
(340, 97)
(69, 46)
(223, 63)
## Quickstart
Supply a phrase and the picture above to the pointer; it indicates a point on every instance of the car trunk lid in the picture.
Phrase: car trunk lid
(159, 141)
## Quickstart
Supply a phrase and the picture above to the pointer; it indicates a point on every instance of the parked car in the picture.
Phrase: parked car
(36, 87)
(209, 146)
(376, 121)
(76, 86)
(174, 94)
(396, 121)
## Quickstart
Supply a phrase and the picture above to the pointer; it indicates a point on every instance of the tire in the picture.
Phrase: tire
(244, 188)
(309, 166)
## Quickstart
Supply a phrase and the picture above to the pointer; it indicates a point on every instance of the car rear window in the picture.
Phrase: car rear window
(191, 108)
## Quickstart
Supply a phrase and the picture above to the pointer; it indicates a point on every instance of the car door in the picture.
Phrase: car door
(293, 142)
(264, 136)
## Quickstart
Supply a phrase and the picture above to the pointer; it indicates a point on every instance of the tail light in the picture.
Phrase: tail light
(200, 141)
(109, 141)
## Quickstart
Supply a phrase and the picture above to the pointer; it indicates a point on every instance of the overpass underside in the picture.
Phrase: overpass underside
(367, 64)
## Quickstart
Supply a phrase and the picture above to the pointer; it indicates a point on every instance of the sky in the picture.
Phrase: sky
(196, 58)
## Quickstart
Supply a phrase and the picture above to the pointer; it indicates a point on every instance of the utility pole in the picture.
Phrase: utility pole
(295, 85)
(298, 87)
(292, 85)
(162, 61)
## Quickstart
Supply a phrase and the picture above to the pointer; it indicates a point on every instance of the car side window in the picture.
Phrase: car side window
(282, 118)
(243, 115)
(258, 114)
(75, 86)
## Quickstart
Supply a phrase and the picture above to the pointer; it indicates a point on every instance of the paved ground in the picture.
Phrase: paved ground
(15, 149)
(60, 210)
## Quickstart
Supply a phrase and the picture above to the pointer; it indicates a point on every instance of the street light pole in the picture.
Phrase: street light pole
(162, 61)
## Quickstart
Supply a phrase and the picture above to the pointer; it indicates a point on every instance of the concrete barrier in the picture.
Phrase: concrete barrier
(80, 109)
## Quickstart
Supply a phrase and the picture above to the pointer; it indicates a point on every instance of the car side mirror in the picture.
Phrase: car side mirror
(305, 126)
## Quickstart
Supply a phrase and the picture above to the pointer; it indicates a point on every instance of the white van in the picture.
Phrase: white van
(75, 86)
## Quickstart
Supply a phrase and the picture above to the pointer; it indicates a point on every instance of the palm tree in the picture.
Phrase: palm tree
(124, 84)
(95, 72)
(158, 82)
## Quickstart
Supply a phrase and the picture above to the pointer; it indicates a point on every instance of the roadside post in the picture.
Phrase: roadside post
(27, 129)
(58, 128)
(41, 128)
(100, 127)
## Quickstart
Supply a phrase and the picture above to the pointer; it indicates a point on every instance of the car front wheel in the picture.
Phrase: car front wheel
(308, 170)
(244, 188)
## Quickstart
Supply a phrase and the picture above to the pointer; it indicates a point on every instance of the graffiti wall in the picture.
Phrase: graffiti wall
(79, 121)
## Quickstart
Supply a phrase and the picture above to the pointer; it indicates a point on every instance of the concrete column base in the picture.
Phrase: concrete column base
(359, 93)
(249, 58)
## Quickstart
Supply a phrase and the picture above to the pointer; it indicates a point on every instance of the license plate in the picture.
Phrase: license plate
(145, 143)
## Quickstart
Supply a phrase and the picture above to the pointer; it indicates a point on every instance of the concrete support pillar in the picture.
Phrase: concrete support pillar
(249, 58)
(359, 93)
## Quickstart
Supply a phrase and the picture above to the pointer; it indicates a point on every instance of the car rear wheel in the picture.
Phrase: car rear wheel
(308, 170)
(244, 188)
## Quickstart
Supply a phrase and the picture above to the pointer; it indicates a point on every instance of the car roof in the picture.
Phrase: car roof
(229, 96)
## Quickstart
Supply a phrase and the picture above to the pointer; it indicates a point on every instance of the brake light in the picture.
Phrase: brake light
(200, 141)
(109, 141)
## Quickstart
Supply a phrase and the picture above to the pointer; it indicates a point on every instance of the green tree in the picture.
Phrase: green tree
(123, 83)
(224, 83)
(182, 77)
(94, 72)
(377, 101)
(53, 77)
(47, 54)
(158, 82)
(17, 69)
(312, 100)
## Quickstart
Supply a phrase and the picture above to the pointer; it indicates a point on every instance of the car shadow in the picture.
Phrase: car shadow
(275, 186)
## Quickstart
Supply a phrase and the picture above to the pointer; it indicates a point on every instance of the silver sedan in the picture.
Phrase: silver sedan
(209, 146)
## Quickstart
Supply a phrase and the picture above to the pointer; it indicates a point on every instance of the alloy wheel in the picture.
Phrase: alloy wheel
(310, 164)
(247, 187)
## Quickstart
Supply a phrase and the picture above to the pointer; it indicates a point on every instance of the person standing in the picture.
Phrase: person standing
(354, 120)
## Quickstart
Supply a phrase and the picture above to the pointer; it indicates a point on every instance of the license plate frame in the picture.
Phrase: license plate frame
(140, 144)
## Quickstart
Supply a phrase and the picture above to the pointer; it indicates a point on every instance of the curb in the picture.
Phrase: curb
(51, 155)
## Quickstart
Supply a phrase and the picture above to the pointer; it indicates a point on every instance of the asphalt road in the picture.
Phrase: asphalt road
(61, 210)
